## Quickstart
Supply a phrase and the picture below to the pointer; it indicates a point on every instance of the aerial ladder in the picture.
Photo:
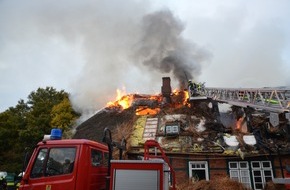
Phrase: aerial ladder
(276, 101)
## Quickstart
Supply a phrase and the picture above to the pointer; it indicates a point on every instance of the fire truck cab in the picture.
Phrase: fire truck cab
(80, 164)
(67, 165)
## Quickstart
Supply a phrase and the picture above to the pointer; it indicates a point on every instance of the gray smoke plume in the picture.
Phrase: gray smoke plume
(162, 47)
(92, 48)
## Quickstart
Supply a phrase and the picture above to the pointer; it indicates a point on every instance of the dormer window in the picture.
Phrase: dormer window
(172, 129)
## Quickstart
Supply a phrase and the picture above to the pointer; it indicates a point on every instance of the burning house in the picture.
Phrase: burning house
(201, 143)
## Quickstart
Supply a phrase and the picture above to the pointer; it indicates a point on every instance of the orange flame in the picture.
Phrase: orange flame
(175, 91)
(181, 96)
(239, 123)
(147, 111)
(186, 96)
(122, 100)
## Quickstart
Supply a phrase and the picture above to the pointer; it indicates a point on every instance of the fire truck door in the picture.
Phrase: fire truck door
(53, 169)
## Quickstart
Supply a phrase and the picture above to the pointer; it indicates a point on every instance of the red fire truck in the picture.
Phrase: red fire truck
(80, 164)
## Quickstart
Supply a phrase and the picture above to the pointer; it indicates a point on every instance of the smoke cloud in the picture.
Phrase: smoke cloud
(109, 44)
(162, 47)
(109, 56)
(109, 36)
(91, 48)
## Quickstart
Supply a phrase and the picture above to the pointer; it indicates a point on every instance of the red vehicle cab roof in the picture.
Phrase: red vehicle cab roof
(73, 142)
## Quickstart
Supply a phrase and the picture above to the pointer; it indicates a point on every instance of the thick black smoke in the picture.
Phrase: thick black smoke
(162, 47)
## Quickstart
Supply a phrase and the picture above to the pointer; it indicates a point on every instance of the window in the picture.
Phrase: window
(97, 157)
(172, 129)
(261, 173)
(54, 161)
(198, 170)
(60, 161)
(37, 169)
(239, 171)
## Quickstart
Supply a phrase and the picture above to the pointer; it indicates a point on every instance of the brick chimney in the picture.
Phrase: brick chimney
(166, 89)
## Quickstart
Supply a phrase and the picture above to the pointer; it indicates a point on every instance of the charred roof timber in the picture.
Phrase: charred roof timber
(151, 103)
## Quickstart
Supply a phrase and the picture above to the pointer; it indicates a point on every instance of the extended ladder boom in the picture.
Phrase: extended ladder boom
(270, 99)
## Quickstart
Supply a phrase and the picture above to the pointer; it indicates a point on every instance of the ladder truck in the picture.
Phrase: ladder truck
(81, 164)
(275, 101)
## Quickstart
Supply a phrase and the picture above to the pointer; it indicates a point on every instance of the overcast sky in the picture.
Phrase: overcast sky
(90, 48)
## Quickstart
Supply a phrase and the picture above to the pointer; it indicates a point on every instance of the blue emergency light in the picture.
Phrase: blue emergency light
(55, 134)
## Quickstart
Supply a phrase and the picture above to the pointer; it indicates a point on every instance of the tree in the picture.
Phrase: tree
(39, 118)
(64, 117)
(11, 122)
(25, 124)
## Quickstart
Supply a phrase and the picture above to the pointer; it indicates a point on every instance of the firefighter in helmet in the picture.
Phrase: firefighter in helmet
(199, 86)
(192, 87)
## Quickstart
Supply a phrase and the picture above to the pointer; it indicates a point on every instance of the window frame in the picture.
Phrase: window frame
(39, 163)
(96, 152)
(46, 167)
(104, 161)
(240, 171)
(205, 168)
(253, 168)
(262, 170)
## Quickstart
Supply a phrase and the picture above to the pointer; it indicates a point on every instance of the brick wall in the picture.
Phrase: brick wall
(217, 166)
